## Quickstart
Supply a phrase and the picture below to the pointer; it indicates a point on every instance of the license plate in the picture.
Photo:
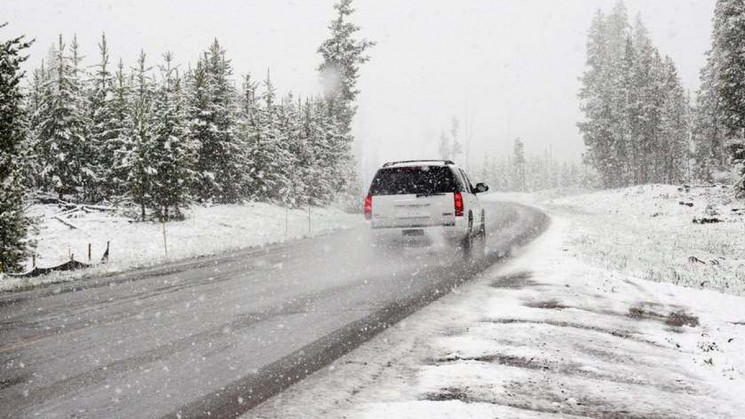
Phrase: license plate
(409, 233)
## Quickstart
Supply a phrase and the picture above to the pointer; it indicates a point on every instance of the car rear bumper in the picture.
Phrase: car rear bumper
(419, 234)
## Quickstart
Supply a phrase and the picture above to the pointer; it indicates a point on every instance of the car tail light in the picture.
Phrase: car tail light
(368, 207)
(458, 201)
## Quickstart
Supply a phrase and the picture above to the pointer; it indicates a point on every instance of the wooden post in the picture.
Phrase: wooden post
(2, 268)
(165, 241)
(89, 252)
(105, 257)
(33, 261)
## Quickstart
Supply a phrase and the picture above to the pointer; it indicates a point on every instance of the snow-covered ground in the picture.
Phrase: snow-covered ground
(661, 233)
(205, 231)
(560, 330)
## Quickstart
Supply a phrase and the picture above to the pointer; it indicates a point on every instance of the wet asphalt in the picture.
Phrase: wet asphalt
(215, 336)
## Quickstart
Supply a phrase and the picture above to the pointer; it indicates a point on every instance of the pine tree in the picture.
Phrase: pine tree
(204, 186)
(63, 149)
(674, 126)
(170, 153)
(595, 102)
(105, 126)
(295, 143)
(14, 224)
(140, 119)
(247, 121)
(34, 105)
(86, 155)
(322, 130)
(729, 64)
(708, 133)
(343, 55)
(213, 122)
(268, 155)
(636, 121)
(518, 166)
(119, 148)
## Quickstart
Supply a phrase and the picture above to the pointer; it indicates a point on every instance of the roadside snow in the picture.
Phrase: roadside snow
(550, 334)
(661, 233)
(205, 231)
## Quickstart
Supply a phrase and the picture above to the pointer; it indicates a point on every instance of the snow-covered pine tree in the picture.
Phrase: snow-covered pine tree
(213, 121)
(266, 155)
(603, 96)
(204, 186)
(118, 149)
(87, 155)
(596, 127)
(140, 118)
(319, 129)
(342, 55)
(284, 134)
(634, 110)
(105, 125)
(170, 153)
(729, 48)
(616, 79)
(246, 123)
(708, 133)
(674, 127)
(14, 224)
(624, 93)
(340, 174)
(34, 103)
(296, 144)
(519, 166)
(227, 163)
(62, 147)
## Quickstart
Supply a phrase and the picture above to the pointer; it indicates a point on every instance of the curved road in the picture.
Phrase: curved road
(218, 335)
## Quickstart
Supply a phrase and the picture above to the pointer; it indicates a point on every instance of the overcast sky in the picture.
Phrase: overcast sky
(508, 67)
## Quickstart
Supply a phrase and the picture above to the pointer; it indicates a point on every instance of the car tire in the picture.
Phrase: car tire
(479, 245)
(467, 243)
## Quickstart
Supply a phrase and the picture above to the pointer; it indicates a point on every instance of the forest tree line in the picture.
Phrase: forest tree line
(161, 138)
(520, 171)
(640, 125)
(157, 136)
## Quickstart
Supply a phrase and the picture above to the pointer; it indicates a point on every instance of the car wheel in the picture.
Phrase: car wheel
(468, 241)
(480, 242)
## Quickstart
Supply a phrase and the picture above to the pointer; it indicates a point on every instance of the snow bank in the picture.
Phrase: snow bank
(205, 231)
(688, 236)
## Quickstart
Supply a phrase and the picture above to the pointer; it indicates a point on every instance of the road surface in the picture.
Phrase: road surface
(218, 335)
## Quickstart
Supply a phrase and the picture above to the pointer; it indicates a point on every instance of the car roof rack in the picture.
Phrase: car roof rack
(391, 163)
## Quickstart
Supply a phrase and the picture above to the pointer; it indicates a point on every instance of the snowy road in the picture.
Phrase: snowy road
(544, 335)
(218, 334)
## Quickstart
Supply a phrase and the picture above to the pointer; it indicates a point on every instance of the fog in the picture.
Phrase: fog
(505, 69)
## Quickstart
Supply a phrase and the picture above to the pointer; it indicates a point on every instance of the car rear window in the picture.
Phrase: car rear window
(413, 180)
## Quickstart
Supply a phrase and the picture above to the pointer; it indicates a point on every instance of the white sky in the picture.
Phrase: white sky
(511, 65)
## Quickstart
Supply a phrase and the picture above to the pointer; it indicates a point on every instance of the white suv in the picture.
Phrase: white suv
(426, 199)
